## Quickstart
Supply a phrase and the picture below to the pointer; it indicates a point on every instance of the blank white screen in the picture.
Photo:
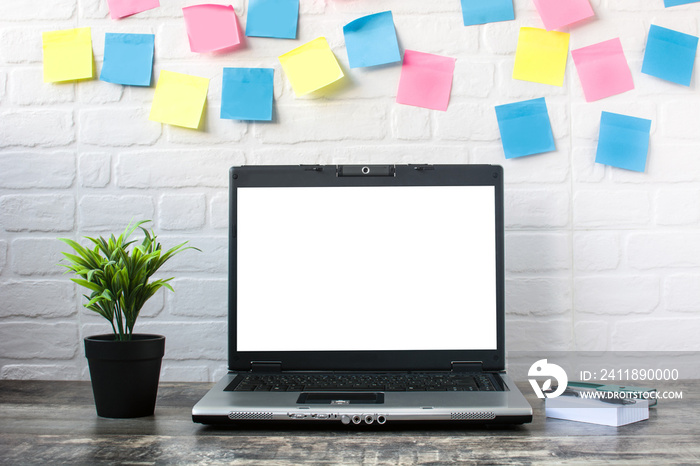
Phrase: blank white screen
(366, 268)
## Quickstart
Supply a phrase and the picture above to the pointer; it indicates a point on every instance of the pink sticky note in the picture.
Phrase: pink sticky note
(603, 70)
(211, 27)
(556, 14)
(426, 80)
(121, 8)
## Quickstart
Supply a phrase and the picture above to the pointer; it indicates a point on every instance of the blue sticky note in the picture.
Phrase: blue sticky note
(272, 18)
(525, 128)
(128, 59)
(371, 40)
(670, 55)
(486, 11)
(247, 94)
(623, 141)
(668, 3)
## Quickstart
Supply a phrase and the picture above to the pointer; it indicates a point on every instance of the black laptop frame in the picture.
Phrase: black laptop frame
(366, 175)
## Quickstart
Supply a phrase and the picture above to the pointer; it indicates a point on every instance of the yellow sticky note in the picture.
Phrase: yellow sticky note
(541, 56)
(67, 55)
(179, 99)
(311, 66)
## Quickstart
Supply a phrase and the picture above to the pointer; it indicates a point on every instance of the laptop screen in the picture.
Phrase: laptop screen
(365, 268)
(380, 267)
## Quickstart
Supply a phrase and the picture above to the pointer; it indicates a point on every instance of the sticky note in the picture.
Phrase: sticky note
(371, 40)
(311, 66)
(247, 94)
(603, 70)
(426, 80)
(128, 59)
(121, 8)
(67, 55)
(668, 3)
(670, 55)
(179, 99)
(272, 18)
(541, 56)
(556, 14)
(525, 128)
(490, 11)
(211, 27)
(623, 141)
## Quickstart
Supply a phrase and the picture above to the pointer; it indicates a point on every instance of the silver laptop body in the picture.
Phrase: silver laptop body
(348, 272)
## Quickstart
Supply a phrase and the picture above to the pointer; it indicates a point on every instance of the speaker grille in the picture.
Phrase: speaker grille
(473, 416)
(249, 416)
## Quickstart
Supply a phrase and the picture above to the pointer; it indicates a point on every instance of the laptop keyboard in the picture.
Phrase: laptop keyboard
(288, 382)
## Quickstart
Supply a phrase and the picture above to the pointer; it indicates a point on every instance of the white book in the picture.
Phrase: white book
(593, 411)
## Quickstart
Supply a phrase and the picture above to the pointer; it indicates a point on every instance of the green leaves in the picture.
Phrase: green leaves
(118, 273)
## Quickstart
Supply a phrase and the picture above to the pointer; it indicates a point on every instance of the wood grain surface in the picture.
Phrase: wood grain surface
(55, 423)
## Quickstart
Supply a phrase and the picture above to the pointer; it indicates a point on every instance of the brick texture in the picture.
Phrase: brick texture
(597, 257)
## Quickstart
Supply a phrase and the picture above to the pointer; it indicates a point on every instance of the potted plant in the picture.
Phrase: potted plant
(124, 366)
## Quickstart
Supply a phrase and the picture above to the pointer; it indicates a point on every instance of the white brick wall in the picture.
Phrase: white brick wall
(597, 258)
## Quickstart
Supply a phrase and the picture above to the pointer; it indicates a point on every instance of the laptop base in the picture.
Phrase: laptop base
(221, 407)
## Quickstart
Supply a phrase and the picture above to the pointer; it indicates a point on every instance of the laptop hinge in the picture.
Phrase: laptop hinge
(266, 366)
(467, 366)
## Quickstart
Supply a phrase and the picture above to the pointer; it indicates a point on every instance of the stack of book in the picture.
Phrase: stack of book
(597, 407)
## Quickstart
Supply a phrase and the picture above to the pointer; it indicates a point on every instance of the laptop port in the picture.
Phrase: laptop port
(369, 419)
(381, 419)
(356, 419)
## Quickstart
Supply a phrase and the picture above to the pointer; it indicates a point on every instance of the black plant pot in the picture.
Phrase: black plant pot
(125, 374)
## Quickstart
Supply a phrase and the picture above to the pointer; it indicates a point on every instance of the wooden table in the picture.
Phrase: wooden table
(55, 422)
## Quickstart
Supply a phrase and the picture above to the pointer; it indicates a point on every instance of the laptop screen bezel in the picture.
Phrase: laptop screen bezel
(393, 175)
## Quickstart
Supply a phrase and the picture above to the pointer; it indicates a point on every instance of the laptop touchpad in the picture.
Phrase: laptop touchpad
(330, 398)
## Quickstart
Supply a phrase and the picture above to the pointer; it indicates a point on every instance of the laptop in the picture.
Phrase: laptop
(365, 294)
